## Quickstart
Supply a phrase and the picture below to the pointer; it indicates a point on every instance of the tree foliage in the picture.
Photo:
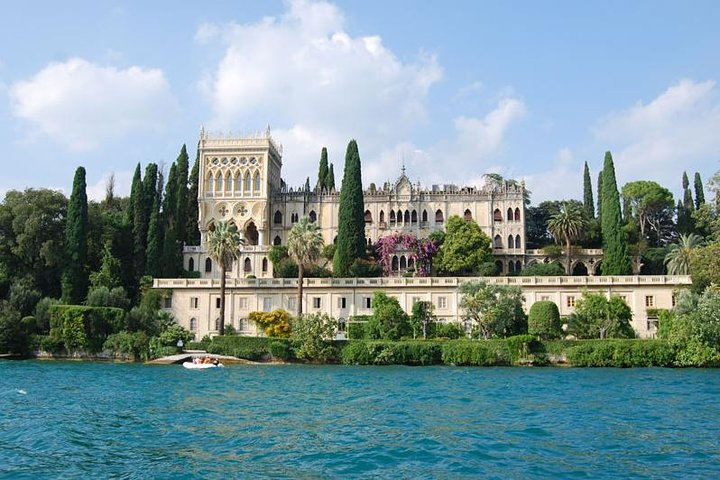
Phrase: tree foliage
(597, 317)
(312, 336)
(465, 249)
(551, 269)
(616, 260)
(323, 171)
(388, 320)
(588, 203)
(494, 310)
(75, 275)
(223, 245)
(274, 324)
(544, 320)
(651, 207)
(351, 221)
(305, 245)
(567, 225)
(678, 258)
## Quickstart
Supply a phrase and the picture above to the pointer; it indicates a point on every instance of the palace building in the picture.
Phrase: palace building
(240, 182)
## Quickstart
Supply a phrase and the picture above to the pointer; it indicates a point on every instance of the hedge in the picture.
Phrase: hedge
(623, 353)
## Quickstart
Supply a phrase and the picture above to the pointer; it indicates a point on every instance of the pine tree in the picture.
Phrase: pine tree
(599, 196)
(330, 182)
(192, 233)
(323, 171)
(351, 222)
(75, 275)
(172, 248)
(616, 260)
(588, 194)
(699, 192)
(181, 204)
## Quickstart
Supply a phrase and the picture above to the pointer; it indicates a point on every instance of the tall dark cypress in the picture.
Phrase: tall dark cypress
(154, 245)
(687, 194)
(135, 193)
(143, 209)
(172, 248)
(599, 196)
(75, 275)
(588, 203)
(323, 171)
(351, 222)
(192, 235)
(616, 260)
(699, 191)
(181, 204)
(330, 182)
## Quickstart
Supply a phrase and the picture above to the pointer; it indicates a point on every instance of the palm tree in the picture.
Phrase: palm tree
(678, 258)
(567, 225)
(305, 245)
(224, 242)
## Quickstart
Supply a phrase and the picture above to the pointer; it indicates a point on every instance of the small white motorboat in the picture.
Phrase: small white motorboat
(201, 366)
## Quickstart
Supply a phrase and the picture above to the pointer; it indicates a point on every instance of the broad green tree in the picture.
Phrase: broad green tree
(588, 202)
(494, 310)
(567, 225)
(110, 273)
(323, 171)
(388, 320)
(224, 243)
(465, 249)
(651, 206)
(705, 266)
(305, 245)
(597, 317)
(351, 243)
(75, 274)
(423, 318)
(616, 260)
(677, 259)
(544, 320)
(312, 336)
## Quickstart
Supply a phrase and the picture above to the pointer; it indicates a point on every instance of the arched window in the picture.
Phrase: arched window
(313, 216)
(247, 265)
(498, 242)
(394, 265)
(511, 241)
(208, 265)
(248, 182)
(399, 216)
(517, 242)
(497, 215)
(210, 183)
(228, 182)
(191, 265)
(238, 183)
(382, 216)
(335, 240)
(193, 324)
(264, 265)
(368, 216)
(517, 214)
(293, 218)
(392, 216)
(251, 234)
(518, 266)
(510, 215)
(468, 215)
(424, 216)
(439, 217)
(511, 267)
(277, 240)
(499, 267)
(413, 216)
(403, 262)
(217, 324)
(257, 182)
(411, 263)
(218, 182)
(406, 218)
(278, 217)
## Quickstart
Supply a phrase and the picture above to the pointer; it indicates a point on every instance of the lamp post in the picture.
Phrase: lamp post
(180, 345)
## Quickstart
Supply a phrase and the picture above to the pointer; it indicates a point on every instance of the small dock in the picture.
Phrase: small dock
(188, 356)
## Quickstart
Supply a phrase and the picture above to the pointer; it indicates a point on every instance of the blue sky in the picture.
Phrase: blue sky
(527, 89)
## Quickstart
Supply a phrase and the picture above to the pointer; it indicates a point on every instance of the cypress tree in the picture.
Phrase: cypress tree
(330, 182)
(599, 196)
(192, 233)
(154, 247)
(588, 194)
(172, 248)
(181, 204)
(687, 194)
(75, 275)
(683, 226)
(307, 184)
(616, 260)
(143, 210)
(351, 222)
(699, 192)
(135, 192)
(323, 170)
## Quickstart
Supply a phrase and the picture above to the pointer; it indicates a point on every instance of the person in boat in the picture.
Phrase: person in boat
(215, 362)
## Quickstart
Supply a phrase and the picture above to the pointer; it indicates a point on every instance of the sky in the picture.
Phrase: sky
(452, 90)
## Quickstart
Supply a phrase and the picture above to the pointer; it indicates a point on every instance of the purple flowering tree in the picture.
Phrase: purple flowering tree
(421, 251)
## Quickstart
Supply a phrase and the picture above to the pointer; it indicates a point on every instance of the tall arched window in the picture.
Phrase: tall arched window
(238, 183)
(247, 265)
(277, 240)
(248, 183)
(510, 215)
(517, 214)
(498, 242)
(424, 216)
(312, 216)
(403, 262)
(218, 182)
(517, 241)
(497, 215)
(382, 216)
(191, 265)
(193, 324)
(439, 217)
(208, 265)
(257, 182)
(413, 216)
(406, 218)
(468, 215)
(511, 241)
(392, 216)
(217, 324)
(498, 267)
(511, 267)
(228, 182)
(368, 216)
(278, 217)
(264, 265)
(394, 265)
(210, 183)
(518, 266)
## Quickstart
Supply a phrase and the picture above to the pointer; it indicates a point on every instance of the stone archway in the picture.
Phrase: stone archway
(251, 234)
(579, 270)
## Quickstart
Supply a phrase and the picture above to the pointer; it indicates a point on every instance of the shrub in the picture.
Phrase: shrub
(313, 336)
(475, 353)
(452, 330)
(552, 269)
(42, 314)
(104, 297)
(622, 353)
(274, 324)
(362, 352)
(544, 320)
(84, 328)
(134, 345)
(356, 330)
(251, 348)
(280, 349)
(388, 321)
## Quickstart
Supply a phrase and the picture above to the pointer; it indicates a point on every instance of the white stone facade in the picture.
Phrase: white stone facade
(195, 302)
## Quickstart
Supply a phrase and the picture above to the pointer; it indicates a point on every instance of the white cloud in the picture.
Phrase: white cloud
(82, 105)
(316, 84)
(561, 182)
(676, 131)
(123, 182)
(478, 137)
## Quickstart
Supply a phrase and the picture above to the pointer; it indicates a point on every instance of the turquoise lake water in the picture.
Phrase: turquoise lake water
(93, 420)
